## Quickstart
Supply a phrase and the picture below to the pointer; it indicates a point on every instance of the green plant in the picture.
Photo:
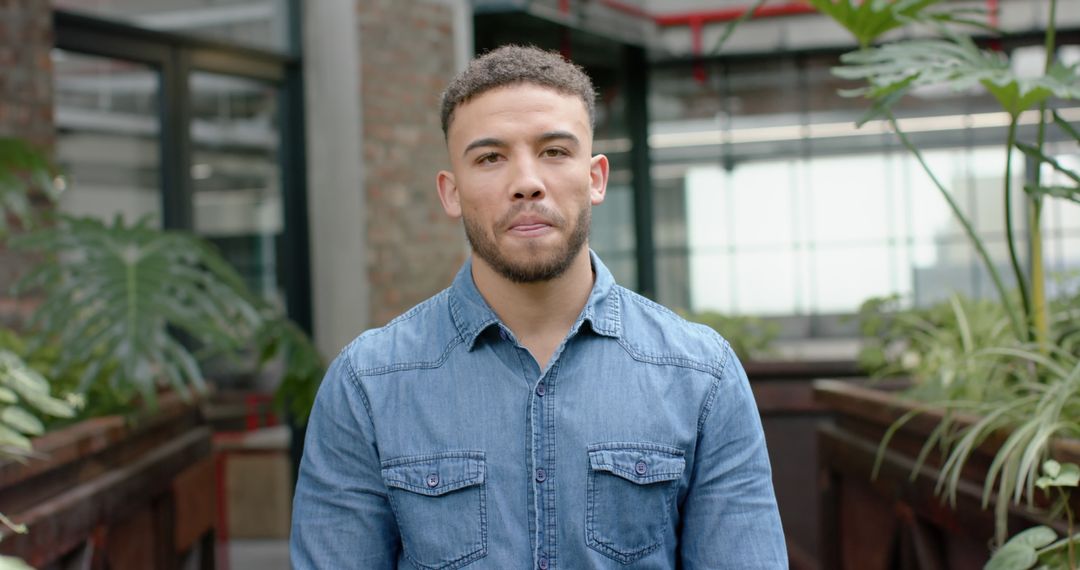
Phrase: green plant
(1040, 544)
(23, 171)
(125, 306)
(23, 389)
(750, 337)
(1011, 367)
(118, 297)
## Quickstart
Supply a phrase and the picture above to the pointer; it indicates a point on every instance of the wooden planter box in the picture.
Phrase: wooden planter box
(108, 494)
(790, 415)
(896, 520)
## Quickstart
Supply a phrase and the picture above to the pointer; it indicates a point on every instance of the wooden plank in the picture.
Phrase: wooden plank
(883, 408)
(62, 522)
(195, 503)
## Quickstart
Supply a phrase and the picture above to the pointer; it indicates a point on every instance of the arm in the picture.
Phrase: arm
(341, 517)
(729, 517)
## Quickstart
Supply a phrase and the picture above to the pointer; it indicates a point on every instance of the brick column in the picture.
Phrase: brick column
(26, 108)
(406, 59)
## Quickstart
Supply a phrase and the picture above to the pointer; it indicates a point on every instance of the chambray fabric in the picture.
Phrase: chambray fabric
(438, 442)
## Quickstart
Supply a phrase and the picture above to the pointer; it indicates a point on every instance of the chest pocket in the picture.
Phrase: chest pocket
(439, 503)
(629, 497)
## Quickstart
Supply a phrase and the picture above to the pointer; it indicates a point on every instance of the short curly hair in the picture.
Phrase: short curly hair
(513, 65)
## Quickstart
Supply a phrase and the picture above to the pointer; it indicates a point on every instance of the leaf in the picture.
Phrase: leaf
(12, 438)
(1067, 475)
(1051, 468)
(12, 563)
(120, 297)
(1012, 557)
(871, 18)
(21, 420)
(954, 61)
(1036, 537)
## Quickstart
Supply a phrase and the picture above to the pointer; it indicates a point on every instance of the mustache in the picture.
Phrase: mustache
(530, 208)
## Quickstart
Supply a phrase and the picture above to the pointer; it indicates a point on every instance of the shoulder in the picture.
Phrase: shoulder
(422, 337)
(657, 334)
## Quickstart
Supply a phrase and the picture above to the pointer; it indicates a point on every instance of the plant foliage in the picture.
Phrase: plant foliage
(125, 301)
(869, 19)
(23, 169)
(750, 337)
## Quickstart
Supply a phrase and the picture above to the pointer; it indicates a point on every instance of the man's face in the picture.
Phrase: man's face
(523, 179)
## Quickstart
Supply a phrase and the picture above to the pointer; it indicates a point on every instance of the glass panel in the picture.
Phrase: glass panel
(846, 276)
(612, 233)
(107, 137)
(707, 210)
(765, 282)
(847, 199)
(236, 176)
(255, 23)
(711, 282)
(761, 204)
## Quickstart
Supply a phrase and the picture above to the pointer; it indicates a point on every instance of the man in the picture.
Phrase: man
(534, 414)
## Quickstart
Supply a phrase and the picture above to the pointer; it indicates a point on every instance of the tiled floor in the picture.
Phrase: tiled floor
(257, 555)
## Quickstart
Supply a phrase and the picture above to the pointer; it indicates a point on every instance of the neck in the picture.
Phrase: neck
(539, 314)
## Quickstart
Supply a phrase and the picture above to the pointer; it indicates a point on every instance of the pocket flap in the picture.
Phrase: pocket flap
(435, 474)
(638, 463)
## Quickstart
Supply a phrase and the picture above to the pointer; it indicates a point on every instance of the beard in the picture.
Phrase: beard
(538, 265)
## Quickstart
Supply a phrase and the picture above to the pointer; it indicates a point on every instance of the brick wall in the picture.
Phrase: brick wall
(26, 70)
(406, 59)
(26, 109)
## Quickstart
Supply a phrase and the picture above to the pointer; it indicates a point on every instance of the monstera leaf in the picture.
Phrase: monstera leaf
(869, 19)
(130, 303)
(894, 69)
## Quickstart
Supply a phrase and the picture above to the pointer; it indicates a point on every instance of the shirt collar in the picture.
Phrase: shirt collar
(472, 315)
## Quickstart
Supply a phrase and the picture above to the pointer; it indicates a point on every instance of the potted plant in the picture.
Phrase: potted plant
(1001, 380)
(123, 311)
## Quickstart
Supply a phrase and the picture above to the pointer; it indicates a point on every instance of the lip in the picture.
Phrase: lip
(529, 226)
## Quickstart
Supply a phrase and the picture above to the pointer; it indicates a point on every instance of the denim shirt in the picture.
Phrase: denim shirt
(437, 442)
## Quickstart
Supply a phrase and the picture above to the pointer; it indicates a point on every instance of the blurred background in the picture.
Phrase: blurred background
(302, 139)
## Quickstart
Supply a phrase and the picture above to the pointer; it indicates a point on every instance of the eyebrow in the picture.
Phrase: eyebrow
(499, 143)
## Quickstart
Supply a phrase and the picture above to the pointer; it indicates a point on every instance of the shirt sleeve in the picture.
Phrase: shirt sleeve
(730, 518)
(341, 515)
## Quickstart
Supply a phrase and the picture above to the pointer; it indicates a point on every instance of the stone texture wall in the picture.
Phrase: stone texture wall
(26, 109)
(406, 59)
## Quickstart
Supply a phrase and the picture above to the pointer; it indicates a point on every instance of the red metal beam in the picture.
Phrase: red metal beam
(700, 17)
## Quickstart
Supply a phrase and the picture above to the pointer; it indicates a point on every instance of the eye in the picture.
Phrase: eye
(554, 152)
(488, 158)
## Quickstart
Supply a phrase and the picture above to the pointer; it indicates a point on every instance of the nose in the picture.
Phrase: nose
(526, 184)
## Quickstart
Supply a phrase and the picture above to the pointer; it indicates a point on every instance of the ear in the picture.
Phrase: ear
(598, 177)
(448, 193)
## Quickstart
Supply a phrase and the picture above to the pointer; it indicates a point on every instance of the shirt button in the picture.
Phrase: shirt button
(641, 468)
(541, 475)
(433, 480)
(542, 563)
(541, 389)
